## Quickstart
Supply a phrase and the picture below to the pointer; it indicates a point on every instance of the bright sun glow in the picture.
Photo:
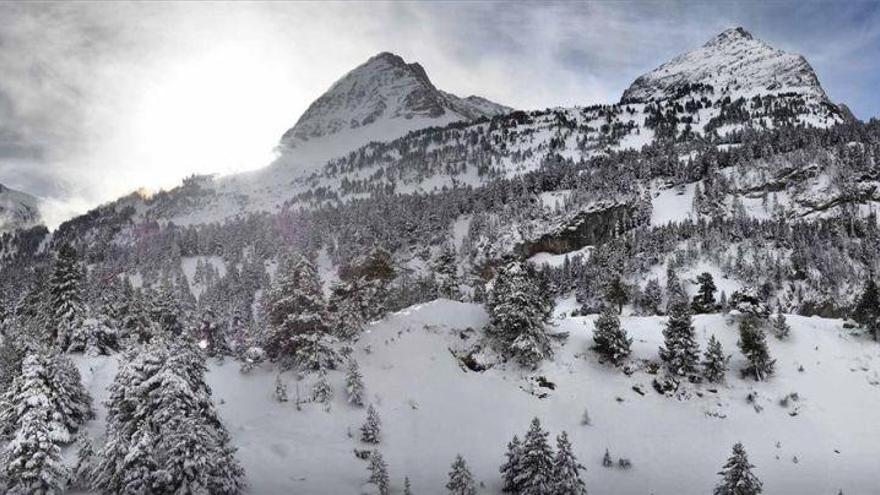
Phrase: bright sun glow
(208, 114)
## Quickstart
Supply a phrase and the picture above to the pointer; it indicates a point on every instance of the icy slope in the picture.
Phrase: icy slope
(736, 64)
(432, 409)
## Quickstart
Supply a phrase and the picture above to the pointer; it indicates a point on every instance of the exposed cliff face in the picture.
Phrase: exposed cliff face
(735, 64)
(587, 228)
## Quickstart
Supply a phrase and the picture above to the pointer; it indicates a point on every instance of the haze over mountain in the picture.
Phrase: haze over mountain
(18, 210)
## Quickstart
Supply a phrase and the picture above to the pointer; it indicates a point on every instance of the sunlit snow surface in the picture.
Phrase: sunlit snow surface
(432, 409)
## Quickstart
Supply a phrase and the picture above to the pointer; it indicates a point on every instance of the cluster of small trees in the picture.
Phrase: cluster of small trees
(532, 468)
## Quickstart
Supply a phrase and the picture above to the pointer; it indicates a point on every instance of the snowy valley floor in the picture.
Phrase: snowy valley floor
(432, 409)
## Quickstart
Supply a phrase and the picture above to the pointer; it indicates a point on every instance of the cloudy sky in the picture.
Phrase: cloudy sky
(99, 99)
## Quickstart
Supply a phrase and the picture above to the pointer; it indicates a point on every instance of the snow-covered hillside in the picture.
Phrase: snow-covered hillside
(17, 210)
(432, 408)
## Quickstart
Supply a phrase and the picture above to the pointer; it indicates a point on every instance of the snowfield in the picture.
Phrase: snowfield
(433, 408)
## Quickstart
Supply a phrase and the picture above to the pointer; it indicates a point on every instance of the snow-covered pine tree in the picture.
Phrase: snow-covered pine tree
(280, 389)
(379, 473)
(66, 295)
(536, 469)
(609, 339)
(753, 344)
(617, 293)
(674, 291)
(867, 310)
(81, 477)
(32, 459)
(781, 329)
(354, 383)
(512, 466)
(714, 361)
(566, 469)
(704, 301)
(56, 379)
(461, 481)
(370, 431)
(446, 272)
(518, 312)
(347, 311)
(322, 393)
(607, 461)
(737, 477)
(407, 486)
(163, 432)
(299, 333)
(652, 298)
(680, 350)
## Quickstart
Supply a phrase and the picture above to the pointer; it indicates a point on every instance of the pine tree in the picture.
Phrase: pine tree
(714, 361)
(674, 291)
(652, 297)
(32, 459)
(704, 301)
(407, 486)
(566, 469)
(163, 432)
(446, 271)
(299, 332)
(617, 293)
(607, 461)
(753, 344)
(518, 312)
(737, 477)
(867, 310)
(680, 351)
(461, 481)
(512, 466)
(56, 379)
(85, 460)
(379, 473)
(354, 384)
(280, 389)
(780, 326)
(610, 340)
(370, 430)
(322, 393)
(65, 290)
(536, 469)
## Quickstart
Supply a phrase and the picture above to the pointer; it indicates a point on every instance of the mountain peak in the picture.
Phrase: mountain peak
(734, 63)
(730, 36)
(381, 99)
(17, 210)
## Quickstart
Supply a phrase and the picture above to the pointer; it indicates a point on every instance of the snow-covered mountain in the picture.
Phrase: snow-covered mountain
(735, 64)
(17, 210)
(381, 99)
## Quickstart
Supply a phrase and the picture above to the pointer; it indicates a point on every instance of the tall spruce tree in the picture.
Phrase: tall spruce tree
(617, 293)
(371, 428)
(446, 272)
(535, 475)
(652, 298)
(518, 312)
(461, 481)
(32, 459)
(609, 339)
(512, 466)
(781, 329)
(354, 383)
(704, 301)
(737, 477)
(680, 350)
(714, 361)
(55, 378)
(163, 432)
(299, 333)
(753, 344)
(379, 473)
(566, 469)
(867, 310)
(66, 296)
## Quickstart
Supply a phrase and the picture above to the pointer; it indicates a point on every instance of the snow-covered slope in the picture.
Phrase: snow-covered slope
(433, 408)
(735, 63)
(17, 210)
